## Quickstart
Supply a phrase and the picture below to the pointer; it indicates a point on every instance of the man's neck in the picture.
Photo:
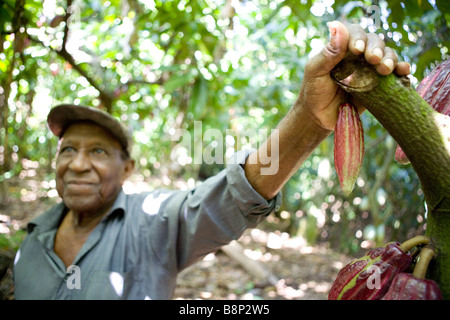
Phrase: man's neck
(85, 221)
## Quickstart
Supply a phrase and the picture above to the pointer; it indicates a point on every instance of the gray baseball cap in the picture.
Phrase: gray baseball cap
(62, 116)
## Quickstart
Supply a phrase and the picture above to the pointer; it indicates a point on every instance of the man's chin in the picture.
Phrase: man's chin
(94, 202)
(83, 203)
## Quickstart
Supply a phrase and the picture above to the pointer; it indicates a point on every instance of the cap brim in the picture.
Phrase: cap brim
(62, 116)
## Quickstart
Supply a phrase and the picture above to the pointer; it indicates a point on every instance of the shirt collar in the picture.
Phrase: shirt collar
(52, 217)
(118, 206)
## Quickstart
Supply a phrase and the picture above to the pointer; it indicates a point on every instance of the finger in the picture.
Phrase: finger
(358, 38)
(374, 49)
(334, 51)
(388, 63)
(403, 69)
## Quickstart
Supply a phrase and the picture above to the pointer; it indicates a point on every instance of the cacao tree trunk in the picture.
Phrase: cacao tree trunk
(411, 122)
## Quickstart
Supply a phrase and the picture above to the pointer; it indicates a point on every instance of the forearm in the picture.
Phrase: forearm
(298, 133)
(288, 147)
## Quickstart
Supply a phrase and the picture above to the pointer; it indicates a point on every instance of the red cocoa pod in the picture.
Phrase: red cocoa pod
(406, 286)
(434, 89)
(369, 277)
(348, 146)
(353, 282)
(400, 156)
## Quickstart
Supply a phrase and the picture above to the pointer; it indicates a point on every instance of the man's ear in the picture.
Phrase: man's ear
(128, 170)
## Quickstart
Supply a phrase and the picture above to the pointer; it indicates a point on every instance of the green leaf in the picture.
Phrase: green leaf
(397, 14)
(176, 81)
(8, 4)
(199, 97)
(417, 8)
(425, 60)
(443, 5)
(3, 66)
(5, 16)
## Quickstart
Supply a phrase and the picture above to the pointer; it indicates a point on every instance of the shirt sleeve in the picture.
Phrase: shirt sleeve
(211, 215)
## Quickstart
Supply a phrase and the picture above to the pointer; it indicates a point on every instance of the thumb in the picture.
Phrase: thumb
(334, 51)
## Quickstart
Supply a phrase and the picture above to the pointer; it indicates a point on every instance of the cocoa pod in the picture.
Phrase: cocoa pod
(400, 156)
(352, 282)
(406, 286)
(358, 279)
(348, 146)
(434, 89)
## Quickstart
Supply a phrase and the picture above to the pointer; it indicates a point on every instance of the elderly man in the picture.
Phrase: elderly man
(101, 243)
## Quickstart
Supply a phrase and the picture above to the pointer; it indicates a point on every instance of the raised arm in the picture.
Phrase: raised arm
(313, 116)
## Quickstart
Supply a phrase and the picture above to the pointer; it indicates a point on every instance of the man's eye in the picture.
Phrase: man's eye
(67, 150)
(99, 151)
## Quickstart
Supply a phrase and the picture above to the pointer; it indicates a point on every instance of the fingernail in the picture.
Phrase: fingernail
(332, 26)
(388, 63)
(360, 45)
(378, 52)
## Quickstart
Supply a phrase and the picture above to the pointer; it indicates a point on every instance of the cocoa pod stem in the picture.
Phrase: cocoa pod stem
(413, 242)
(426, 255)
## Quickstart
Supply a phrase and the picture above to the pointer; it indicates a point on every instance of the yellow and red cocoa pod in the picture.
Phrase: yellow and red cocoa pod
(348, 146)
(369, 277)
(352, 282)
(434, 89)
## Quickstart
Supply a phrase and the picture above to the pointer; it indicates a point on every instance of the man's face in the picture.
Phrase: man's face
(90, 169)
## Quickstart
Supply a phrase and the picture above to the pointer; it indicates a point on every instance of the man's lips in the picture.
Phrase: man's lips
(80, 186)
(79, 182)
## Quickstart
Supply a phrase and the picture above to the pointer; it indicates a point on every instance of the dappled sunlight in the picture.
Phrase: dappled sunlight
(239, 69)
(303, 271)
(443, 123)
(235, 68)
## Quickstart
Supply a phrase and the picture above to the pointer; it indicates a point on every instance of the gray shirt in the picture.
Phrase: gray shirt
(141, 245)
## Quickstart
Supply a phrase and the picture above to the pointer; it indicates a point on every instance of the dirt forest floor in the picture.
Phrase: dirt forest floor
(297, 270)
(301, 272)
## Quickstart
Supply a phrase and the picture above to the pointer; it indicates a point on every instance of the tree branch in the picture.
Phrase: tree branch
(409, 120)
(105, 96)
(66, 27)
(412, 123)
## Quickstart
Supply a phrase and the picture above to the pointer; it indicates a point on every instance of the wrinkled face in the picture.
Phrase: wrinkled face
(90, 169)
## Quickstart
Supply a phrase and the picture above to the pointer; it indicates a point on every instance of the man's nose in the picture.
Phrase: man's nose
(80, 162)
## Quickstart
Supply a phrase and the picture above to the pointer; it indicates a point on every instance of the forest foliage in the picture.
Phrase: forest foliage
(226, 65)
